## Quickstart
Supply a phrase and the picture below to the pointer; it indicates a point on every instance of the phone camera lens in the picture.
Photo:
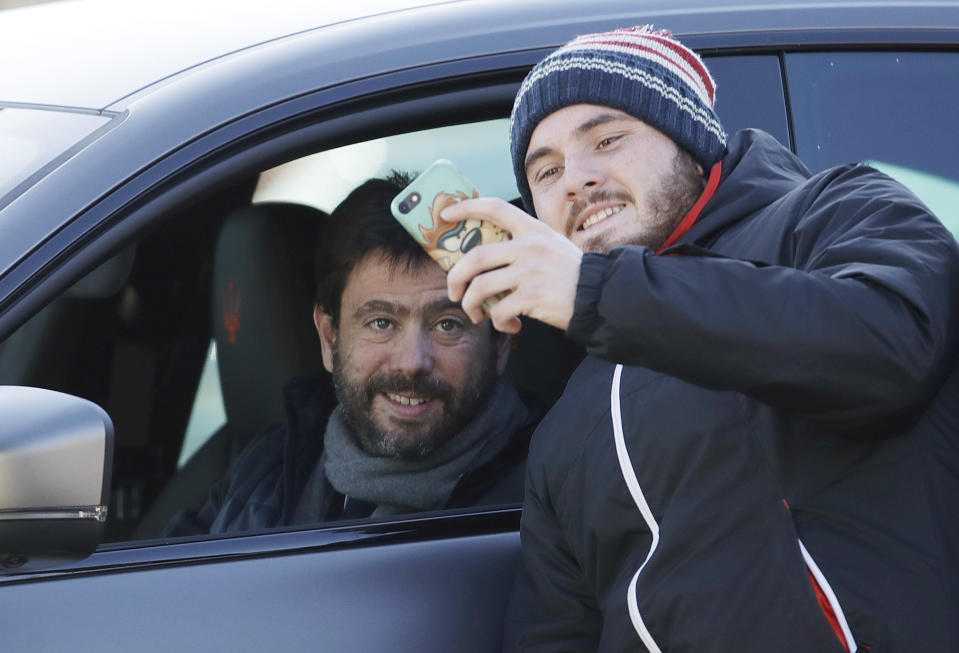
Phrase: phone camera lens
(411, 201)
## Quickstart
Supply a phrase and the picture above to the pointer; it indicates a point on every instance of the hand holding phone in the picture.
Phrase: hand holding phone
(418, 209)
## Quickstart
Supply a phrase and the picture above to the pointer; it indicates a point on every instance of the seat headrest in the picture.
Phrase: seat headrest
(263, 308)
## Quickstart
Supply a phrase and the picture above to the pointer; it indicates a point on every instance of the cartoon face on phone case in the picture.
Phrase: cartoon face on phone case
(419, 206)
(446, 242)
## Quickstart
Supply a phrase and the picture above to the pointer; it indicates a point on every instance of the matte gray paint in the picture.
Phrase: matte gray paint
(438, 596)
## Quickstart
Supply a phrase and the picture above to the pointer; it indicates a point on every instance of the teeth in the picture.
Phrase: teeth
(600, 216)
(406, 401)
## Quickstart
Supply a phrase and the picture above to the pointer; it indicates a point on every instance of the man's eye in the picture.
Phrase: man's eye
(448, 325)
(549, 172)
(606, 142)
(380, 324)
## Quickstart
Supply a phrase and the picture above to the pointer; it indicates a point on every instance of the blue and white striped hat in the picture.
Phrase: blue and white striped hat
(639, 70)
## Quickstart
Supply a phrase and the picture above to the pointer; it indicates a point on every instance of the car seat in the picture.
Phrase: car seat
(262, 314)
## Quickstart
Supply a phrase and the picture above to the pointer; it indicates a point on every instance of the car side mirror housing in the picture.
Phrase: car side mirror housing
(56, 454)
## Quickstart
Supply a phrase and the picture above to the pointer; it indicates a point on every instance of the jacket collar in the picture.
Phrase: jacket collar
(755, 172)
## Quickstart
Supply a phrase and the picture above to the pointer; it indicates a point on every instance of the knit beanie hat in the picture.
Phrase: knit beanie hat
(639, 70)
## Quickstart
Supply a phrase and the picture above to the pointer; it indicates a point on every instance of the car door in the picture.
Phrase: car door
(429, 582)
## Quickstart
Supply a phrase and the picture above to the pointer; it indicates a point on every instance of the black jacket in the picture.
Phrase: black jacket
(264, 484)
(787, 406)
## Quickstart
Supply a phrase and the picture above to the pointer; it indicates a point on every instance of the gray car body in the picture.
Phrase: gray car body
(184, 102)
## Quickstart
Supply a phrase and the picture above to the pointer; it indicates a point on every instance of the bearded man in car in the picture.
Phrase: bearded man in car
(760, 451)
(423, 418)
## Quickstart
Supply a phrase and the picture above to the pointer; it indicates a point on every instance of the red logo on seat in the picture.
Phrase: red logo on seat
(231, 311)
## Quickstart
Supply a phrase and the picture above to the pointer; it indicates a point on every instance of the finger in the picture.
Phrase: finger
(477, 261)
(492, 209)
(510, 325)
(504, 314)
(487, 286)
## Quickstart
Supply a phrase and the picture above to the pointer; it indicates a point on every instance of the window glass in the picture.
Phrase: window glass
(749, 93)
(893, 110)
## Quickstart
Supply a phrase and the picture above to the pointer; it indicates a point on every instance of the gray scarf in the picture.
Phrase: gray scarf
(398, 485)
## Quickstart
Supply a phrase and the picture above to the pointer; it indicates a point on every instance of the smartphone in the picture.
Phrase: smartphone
(418, 209)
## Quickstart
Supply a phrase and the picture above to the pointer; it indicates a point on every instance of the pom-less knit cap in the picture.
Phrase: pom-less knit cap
(639, 70)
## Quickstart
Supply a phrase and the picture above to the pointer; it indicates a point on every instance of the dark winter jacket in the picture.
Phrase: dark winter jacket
(265, 483)
(772, 399)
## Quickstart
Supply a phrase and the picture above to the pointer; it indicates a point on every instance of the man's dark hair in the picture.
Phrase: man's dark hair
(362, 224)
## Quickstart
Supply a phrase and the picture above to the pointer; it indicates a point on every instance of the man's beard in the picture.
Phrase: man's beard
(667, 207)
(410, 440)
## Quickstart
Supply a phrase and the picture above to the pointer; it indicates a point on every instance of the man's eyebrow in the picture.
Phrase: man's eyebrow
(440, 305)
(584, 128)
(596, 121)
(538, 153)
(391, 308)
(379, 306)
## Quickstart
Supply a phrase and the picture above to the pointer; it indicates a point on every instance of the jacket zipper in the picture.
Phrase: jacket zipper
(844, 634)
(636, 492)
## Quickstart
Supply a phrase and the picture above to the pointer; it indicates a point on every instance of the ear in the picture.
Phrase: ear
(503, 343)
(327, 332)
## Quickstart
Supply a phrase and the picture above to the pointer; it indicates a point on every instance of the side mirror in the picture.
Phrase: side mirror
(56, 455)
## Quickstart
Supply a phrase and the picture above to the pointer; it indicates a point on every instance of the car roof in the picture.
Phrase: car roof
(90, 53)
(93, 53)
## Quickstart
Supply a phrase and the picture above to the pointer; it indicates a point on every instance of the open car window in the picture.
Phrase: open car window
(190, 356)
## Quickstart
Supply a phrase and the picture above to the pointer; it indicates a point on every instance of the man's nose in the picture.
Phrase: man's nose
(581, 176)
(412, 352)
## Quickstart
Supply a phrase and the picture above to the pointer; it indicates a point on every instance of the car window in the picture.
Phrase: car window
(893, 110)
(749, 94)
(190, 360)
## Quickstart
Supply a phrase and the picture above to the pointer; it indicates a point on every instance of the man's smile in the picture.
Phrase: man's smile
(405, 400)
(408, 406)
(600, 215)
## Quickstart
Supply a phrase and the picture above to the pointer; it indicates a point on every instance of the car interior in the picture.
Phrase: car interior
(188, 337)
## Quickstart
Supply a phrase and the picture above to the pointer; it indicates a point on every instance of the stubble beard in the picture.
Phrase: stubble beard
(667, 207)
(407, 441)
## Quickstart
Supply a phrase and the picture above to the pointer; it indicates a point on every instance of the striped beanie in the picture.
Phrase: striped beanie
(639, 70)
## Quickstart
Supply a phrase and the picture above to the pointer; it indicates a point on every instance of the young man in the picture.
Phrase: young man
(760, 451)
(423, 420)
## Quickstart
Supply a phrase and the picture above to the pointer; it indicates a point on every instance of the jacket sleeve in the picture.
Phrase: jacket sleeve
(857, 328)
(233, 494)
(551, 601)
(199, 522)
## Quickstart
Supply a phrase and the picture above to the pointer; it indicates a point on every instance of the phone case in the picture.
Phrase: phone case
(418, 208)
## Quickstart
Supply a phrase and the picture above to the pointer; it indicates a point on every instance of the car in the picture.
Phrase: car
(163, 175)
